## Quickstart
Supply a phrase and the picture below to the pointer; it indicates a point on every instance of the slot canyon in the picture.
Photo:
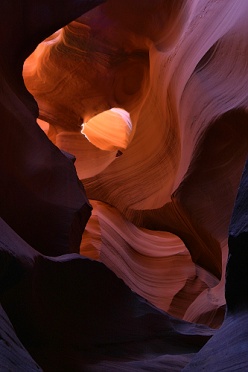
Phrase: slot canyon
(124, 185)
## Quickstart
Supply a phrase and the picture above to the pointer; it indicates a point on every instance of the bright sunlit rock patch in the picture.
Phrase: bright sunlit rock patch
(110, 130)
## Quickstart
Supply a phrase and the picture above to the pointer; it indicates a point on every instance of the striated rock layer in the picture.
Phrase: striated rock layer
(179, 68)
(73, 313)
(152, 287)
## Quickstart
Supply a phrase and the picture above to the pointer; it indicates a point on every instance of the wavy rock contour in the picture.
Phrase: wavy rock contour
(161, 211)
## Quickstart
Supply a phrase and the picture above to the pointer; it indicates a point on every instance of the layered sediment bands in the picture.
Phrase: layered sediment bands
(73, 313)
(157, 240)
(179, 175)
(155, 265)
(89, 76)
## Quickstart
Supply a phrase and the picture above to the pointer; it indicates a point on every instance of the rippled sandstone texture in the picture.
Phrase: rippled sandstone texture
(161, 211)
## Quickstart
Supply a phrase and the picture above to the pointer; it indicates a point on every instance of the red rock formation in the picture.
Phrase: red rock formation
(161, 211)
(35, 198)
(181, 170)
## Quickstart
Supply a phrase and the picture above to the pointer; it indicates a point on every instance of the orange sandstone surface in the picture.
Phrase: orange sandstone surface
(148, 103)
(161, 211)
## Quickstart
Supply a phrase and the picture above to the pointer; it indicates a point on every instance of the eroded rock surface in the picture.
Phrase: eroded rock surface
(159, 226)
(187, 99)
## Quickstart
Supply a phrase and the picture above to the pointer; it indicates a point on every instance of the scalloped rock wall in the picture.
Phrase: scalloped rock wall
(149, 287)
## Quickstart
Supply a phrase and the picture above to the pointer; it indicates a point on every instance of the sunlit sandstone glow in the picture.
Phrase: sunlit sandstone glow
(180, 172)
(109, 130)
(165, 83)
